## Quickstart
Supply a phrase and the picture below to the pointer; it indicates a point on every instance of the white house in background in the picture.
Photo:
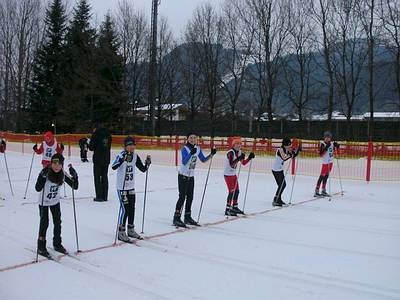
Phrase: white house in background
(383, 116)
(166, 110)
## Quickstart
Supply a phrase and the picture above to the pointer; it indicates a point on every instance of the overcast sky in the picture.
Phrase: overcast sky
(177, 11)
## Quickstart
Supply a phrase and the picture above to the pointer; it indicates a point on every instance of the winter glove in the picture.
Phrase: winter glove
(62, 146)
(44, 172)
(193, 151)
(241, 156)
(251, 156)
(72, 171)
(148, 161)
(213, 151)
(34, 147)
(336, 145)
(128, 156)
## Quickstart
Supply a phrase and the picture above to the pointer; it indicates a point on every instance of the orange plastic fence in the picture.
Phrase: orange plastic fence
(358, 160)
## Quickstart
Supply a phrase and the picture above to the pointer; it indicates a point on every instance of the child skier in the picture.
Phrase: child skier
(48, 183)
(282, 154)
(326, 150)
(2, 146)
(189, 153)
(233, 157)
(48, 148)
(125, 164)
(84, 146)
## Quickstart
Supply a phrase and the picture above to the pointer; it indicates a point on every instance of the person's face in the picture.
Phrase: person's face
(327, 139)
(56, 167)
(192, 139)
(130, 148)
(237, 146)
(288, 147)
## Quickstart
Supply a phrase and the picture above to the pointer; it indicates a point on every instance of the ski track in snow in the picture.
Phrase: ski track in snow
(346, 248)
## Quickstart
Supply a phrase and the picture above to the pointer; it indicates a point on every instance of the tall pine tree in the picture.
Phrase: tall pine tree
(110, 98)
(81, 80)
(45, 88)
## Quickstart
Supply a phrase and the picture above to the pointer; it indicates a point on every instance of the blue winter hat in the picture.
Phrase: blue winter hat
(129, 141)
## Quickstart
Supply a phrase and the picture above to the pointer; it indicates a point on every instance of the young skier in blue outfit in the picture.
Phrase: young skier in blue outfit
(189, 154)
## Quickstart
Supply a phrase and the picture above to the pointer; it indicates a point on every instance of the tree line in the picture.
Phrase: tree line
(245, 58)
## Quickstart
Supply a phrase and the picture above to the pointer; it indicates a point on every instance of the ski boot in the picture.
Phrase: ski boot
(42, 250)
(60, 248)
(276, 202)
(324, 193)
(316, 193)
(189, 221)
(230, 212)
(123, 237)
(178, 222)
(237, 210)
(132, 233)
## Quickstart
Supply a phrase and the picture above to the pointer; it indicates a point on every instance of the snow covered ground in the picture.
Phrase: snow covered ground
(347, 248)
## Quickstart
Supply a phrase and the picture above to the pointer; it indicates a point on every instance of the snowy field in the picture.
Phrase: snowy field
(347, 248)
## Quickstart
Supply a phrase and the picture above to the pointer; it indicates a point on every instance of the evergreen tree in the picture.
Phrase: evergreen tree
(110, 98)
(45, 88)
(81, 80)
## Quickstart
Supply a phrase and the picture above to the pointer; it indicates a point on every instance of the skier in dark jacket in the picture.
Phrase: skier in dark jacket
(49, 181)
(100, 144)
(84, 145)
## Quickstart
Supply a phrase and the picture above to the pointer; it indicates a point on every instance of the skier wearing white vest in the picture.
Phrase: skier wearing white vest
(125, 164)
(49, 181)
(189, 154)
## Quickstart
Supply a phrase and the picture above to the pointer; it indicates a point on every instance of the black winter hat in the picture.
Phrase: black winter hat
(327, 134)
(129, 141)
(57, 158)
(286, 142)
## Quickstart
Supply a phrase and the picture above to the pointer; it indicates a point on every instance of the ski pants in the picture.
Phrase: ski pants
(233, 190)
(281, 182)
(186, 190)
(44, 222)
(127, 200)
(100, 173)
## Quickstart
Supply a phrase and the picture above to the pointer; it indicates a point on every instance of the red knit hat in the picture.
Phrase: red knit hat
(235, 140)
(48, 136)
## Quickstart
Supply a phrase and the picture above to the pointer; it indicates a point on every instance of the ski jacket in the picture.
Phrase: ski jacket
(188, 161)
(326, 152)
(50, 191)
(125, 167)
(231, 162)
(48, 150)
(281, 155)
(100, 144)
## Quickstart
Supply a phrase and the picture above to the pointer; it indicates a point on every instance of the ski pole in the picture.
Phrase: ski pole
(76, 226)
(8, 174)
(119, 216)
(40, 215)
(65, 194)
(29, 176)
(144, 199)
(247, 185)
(120, 205)
(340, 177)
(236, 184)
(204, 191)
(284, 178)
(294, 180)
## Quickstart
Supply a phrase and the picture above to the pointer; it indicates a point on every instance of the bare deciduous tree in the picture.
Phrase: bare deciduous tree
(271, 27)
(204, 32)
(20, 33)
(133, 31)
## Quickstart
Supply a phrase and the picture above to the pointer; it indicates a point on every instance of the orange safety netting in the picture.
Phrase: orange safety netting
(353, 160)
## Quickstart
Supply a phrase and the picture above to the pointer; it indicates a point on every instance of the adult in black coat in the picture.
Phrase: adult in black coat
(100, 144)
